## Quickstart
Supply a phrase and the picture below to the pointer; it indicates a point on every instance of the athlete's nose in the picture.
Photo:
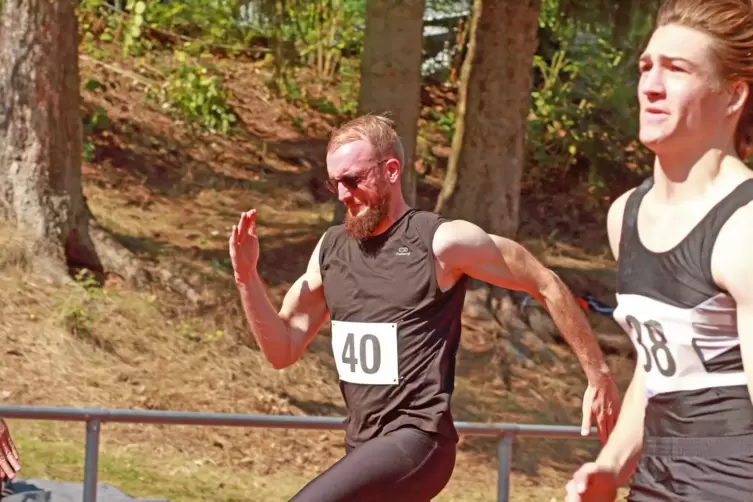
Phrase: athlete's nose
(343, 194)
(652, 84)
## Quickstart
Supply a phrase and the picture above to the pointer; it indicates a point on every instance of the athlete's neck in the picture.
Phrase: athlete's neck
(395, 212)
(684, 175)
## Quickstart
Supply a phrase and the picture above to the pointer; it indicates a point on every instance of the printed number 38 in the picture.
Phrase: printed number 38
(654, 346)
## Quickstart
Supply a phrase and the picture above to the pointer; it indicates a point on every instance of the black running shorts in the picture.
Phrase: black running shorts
(711, 469)
(407, 465)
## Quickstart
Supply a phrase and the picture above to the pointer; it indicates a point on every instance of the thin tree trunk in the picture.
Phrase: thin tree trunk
(391, 73)
(482, 184)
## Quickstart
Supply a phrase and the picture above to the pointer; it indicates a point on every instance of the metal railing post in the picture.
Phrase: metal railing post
(504, 452)
(91, 459)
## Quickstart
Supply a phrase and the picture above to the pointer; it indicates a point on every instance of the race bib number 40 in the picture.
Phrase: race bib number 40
(365, 353)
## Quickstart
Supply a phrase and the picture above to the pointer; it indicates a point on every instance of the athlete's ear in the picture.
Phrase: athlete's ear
(392, 169)
(738, 93)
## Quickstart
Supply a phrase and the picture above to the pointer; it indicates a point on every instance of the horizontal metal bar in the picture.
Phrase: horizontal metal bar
(266, 421)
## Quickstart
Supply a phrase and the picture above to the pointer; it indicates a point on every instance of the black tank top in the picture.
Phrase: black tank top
(395, 334)
(684, 327)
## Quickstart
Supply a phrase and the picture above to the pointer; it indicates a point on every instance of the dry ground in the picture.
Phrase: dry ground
(171, 196)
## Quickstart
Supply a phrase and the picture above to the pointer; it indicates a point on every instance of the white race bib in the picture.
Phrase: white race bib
(365, 352)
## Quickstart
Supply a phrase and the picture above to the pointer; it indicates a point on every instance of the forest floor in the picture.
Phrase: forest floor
(171, 196)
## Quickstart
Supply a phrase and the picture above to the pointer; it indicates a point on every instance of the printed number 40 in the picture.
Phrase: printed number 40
(349, 353)
(655, 345)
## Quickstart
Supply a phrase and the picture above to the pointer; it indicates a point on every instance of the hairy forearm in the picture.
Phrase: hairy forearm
(268, 329)
(625, 444)
(570, 320)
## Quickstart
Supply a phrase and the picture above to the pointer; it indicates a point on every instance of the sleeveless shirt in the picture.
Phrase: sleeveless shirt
(684, 327)
(394, 332)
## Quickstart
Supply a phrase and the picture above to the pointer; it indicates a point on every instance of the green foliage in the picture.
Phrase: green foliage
(213, 22)
(584, 108)
(78, 310)
(313, 33)
(195, 93)
(135, 26)
(321, 29)
(95, 121)
(186, 87)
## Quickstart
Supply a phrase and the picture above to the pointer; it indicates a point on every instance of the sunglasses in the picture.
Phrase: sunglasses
(350, 181)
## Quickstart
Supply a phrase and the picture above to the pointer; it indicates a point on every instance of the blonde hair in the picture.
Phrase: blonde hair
(730, 24)
(378, 130)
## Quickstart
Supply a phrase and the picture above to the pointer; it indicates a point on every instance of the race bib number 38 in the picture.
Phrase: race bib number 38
(365, 353)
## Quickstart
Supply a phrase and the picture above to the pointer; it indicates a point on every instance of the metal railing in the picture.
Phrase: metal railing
(94, 417)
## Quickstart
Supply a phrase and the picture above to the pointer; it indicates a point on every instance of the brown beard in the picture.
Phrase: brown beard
(362, 226)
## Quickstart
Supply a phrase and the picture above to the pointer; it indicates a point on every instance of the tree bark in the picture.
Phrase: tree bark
(391, 73)
(41, 133)
(482, 184)
(41, 141)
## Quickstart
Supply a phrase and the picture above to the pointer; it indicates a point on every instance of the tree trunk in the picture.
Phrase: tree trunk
(482, 184)
(41, 141)
(41, 132)
(391, 73)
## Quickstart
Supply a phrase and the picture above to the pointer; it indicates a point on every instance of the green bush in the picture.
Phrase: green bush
(196, 94)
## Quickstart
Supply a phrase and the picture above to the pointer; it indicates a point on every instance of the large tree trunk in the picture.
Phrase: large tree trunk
(41, 132)
(482, 184)
(40, 148)
(391, 73)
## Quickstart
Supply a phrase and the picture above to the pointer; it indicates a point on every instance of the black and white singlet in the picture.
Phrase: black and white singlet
(698, 429)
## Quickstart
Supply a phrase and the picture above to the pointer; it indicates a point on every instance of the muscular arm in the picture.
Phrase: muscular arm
(464, 248)
(623, 449)
(284, 335)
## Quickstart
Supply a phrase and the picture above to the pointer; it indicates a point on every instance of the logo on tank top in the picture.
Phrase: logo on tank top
(403, 251)
(365, 352)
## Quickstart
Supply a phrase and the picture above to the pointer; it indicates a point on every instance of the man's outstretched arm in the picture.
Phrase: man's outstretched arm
(284, 335)
(463, 248)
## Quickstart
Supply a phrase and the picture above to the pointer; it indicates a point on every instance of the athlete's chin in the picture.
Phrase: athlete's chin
(653, 139)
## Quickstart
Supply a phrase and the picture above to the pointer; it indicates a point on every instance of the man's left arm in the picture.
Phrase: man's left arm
(734, 268)
(465, 248)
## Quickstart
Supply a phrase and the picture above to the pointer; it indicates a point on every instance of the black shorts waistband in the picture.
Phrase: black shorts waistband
(703, 447)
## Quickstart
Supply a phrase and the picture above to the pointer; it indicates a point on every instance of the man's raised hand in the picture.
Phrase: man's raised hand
(244, 246)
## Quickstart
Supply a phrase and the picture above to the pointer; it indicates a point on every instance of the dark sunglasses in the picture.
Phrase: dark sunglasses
(350, 181)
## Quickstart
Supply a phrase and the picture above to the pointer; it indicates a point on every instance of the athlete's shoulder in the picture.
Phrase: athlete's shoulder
(423, 217)
(617, 208)
(423, 223)
(737, 232)
(616, 215)
(731, 266)
(333, 237)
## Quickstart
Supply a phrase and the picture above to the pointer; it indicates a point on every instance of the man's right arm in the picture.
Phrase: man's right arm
(622, 451)
(284, 335)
